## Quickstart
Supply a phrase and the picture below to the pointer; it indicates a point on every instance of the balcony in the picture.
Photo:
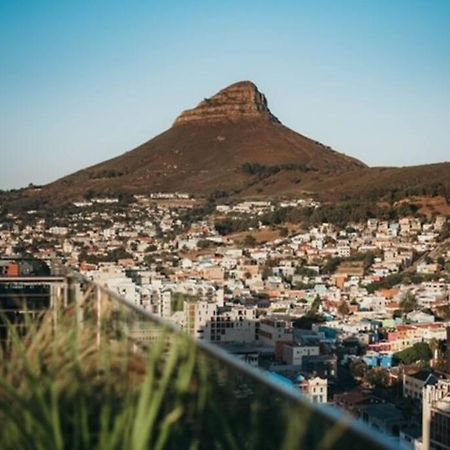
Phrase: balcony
(97, 372)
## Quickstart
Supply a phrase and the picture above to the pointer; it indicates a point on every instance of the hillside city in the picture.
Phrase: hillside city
(352, 313)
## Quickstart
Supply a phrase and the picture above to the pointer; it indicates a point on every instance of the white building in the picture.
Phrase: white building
(316, 389)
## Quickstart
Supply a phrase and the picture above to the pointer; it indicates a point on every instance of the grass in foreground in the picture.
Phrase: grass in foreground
(61, 387)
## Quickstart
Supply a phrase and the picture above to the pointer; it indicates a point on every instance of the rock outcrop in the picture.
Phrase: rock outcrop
(240, 101)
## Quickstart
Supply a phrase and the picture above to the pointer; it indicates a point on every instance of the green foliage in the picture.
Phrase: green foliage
(378, 377)
(307, 321)
(443, 312)
(113, 255)
(445, 233)
(249, 241)
(65, 391)
(418, 352)
(405, 188)
(331, 265)
(262, 171)
(358, 368)
(315, 306)
(205, 243)
(106, 174)
(258, 169)
(357, 211)
(190, 216)
(305, 271)
(387, 283)
(343, 213)
(303, 286)
(151, 248)
(149, 260)
(441, 261)
(340, 214)
(401, 278)
(217, 195)
(267, 267)
(233, 225)
(408, 303)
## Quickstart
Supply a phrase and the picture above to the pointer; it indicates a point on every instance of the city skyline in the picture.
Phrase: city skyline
(86, 82)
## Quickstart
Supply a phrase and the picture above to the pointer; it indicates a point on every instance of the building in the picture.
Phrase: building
(292, 353)
(413, 384)
(235, 324)
(440, 424)
(384, 417)
(273, 330)
(316, 389)
(436, 416)
(197, 316)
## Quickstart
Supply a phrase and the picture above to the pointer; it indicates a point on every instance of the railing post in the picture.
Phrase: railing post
(71, 291)
(426, 417)
(99, 295)
(57, 295)
(74, 298)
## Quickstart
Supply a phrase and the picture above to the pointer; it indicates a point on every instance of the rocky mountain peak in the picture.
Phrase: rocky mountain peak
(240, 101)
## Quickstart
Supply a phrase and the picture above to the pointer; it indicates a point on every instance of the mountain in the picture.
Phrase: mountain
(229, 142)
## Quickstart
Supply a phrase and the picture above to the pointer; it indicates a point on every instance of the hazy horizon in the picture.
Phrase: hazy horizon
(82, 83)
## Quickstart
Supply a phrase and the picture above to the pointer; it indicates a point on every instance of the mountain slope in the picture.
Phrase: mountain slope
(206, 148)
(369, 183)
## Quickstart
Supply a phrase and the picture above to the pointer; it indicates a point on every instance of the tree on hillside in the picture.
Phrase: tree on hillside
(331, 265)
(358, 368)
(149, 260)
(307, 321)
(420, 351)
(204, 244)
(315, 306)
(408, 303)
(305, 271)
(445, 232)
(443, 312)
(267, 268)
(378, 377)
(343, 309)
(249, 241)
(441, 261)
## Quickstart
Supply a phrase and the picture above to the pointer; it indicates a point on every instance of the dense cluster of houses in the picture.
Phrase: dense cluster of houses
(301, 305)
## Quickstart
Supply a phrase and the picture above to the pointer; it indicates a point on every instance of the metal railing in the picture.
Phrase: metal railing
(186, 393)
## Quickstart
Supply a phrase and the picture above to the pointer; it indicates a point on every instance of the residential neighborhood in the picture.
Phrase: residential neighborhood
(353, 315)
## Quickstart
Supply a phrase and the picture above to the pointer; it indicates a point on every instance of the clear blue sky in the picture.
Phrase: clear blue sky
(83, 81)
